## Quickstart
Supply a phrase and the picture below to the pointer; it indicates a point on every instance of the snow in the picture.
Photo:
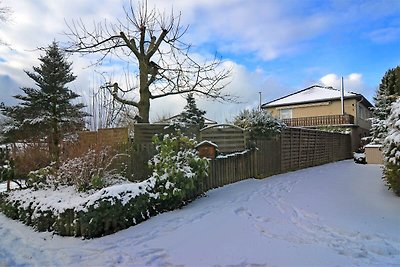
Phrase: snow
(313, 93)
(206, 142)
(374, 146)
(66, 197)
(3, 186)
(359, 156)
(225, 156)
(339, 214)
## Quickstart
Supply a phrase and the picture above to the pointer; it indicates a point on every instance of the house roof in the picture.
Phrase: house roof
(170, 119)
(312, 94)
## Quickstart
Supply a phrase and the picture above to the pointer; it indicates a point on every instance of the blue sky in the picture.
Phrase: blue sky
(276, 47)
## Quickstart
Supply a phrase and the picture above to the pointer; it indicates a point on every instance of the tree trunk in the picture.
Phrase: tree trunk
(55, 143)
(144, 103)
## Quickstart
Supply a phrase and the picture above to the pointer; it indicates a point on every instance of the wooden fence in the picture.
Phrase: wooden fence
(302, 148)
(229, 169)
(109, 136)
(294, 149)
(144, 132)
(229, 138)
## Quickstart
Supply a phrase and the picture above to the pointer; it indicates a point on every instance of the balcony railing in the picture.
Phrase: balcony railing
(320, 120)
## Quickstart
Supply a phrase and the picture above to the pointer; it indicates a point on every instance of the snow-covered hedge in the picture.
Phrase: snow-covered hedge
(68, 212)
(64, 209)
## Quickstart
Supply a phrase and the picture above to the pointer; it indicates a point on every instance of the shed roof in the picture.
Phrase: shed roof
(206, 142)
(314, 93)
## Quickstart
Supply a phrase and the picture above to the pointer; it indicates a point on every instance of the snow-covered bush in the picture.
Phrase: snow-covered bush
(392, 149)
(176, 169)
(259, 123)
(40, 178)
(92, 170)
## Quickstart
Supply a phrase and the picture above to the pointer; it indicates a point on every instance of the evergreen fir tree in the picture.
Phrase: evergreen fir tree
(387, 93)
(392, 149)
(191, 114)
(46, 112)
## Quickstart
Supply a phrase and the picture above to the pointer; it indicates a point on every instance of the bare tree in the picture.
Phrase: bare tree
(163, 65)
(107, 112)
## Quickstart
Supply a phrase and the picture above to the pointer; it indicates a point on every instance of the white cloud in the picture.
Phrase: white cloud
(268, 29)
(352, 82)
(245, 84)
(385, 35)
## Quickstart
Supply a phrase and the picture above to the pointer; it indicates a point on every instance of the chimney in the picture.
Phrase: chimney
(342, 95)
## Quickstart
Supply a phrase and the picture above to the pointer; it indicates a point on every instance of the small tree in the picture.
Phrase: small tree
(259, 123)
(388, 91)
(392, 149)
(46, 112)
(191, 114)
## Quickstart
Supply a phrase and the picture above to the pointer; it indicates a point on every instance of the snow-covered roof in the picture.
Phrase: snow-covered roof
(208, 143)
(315, 93)
(170, 119)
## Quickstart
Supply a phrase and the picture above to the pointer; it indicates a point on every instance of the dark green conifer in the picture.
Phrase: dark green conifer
(46, 113)
(191, 114)
(387, 93)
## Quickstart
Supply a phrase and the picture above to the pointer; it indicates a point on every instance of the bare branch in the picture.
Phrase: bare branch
(153, 40)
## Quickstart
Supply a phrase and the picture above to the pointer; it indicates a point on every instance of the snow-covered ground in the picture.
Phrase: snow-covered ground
(338, 214)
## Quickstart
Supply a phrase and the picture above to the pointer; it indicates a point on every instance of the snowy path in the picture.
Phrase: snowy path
(339, 214)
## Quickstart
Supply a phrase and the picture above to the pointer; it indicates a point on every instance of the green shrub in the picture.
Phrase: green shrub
(259, 123)
(177, 170)
(40, 178)
(392, 177)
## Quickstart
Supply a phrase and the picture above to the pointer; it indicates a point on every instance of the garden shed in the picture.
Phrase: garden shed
(374, 154)
(207, 149)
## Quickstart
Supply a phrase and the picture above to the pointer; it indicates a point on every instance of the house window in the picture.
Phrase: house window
(285, 114)
(362, 112)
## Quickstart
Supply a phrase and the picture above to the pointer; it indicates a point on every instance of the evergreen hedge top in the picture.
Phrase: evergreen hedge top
(65, 198)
